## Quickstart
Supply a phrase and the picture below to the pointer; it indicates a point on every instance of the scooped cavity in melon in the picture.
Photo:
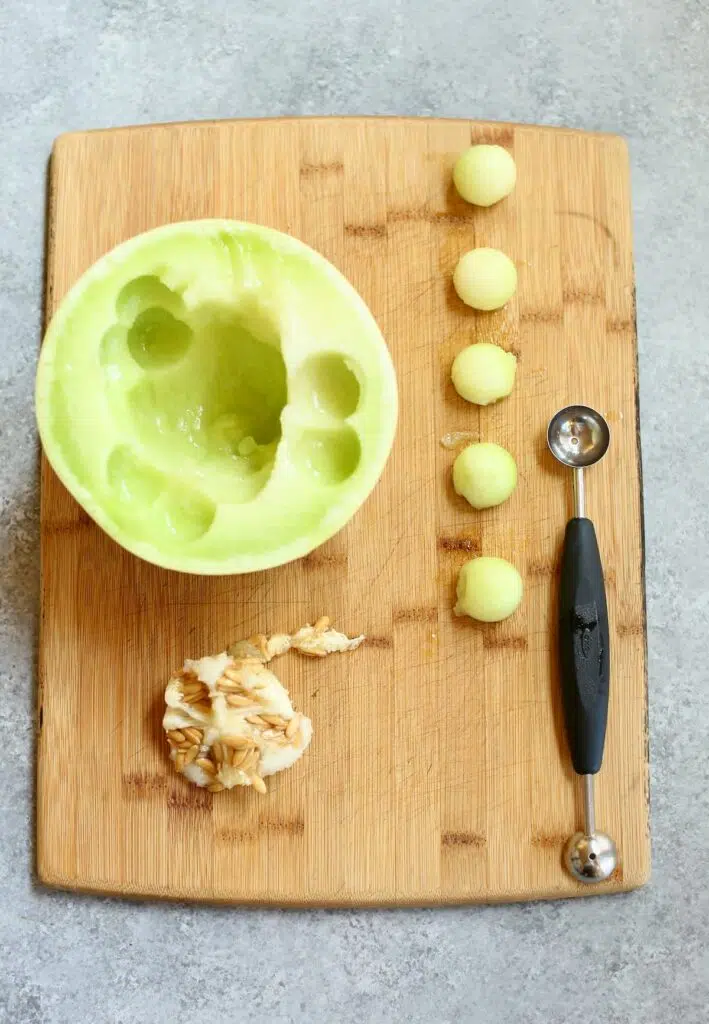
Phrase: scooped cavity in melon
(217, 396)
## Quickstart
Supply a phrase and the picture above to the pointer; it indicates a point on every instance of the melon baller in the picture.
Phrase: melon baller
(579, 437)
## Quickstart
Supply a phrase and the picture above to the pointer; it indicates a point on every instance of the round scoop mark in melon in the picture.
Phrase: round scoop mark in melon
(217, 397)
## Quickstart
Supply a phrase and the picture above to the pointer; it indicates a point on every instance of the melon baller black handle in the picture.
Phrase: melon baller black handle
(584, 646)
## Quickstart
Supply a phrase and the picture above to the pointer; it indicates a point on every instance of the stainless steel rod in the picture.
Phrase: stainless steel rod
(589, 808)
(579, 494)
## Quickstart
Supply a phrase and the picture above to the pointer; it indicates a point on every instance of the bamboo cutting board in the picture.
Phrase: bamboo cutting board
(438, 772)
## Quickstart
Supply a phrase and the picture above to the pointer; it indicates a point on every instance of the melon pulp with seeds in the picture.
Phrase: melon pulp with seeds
(217, 396)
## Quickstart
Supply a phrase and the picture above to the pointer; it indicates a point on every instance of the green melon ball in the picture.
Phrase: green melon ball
(483, 373)
(485, 474)
(484, 175)
(489, 589)
(485, 279)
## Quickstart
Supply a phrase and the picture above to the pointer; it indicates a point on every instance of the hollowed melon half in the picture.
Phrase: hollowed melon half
(217, 396)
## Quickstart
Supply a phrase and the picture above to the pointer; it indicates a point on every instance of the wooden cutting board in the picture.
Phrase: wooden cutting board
(438, 772)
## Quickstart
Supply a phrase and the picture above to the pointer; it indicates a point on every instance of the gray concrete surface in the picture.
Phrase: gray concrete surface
(634, 66)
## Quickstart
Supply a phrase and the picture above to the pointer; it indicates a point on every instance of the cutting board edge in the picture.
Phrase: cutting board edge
(51, 880)
(66, 138)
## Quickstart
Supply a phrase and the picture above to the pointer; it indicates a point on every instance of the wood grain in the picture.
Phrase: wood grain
(438, 772)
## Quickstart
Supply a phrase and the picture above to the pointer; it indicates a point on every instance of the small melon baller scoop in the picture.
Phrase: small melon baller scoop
(579, 437)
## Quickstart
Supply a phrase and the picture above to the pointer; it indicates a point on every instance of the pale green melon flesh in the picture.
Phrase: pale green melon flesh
(217, 396)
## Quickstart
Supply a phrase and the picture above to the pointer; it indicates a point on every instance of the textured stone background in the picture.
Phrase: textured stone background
(633, 66)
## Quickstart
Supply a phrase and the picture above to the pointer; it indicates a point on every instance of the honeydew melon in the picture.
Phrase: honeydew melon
(483, 174)
(485, 279)
(489, 589)
(217, 396)
(485, 474)
(483, 373)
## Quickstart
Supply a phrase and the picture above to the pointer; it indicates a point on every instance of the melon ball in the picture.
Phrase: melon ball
(484, 175)
(489, 589)
(485, 279)
(485, 474)
(483, 373)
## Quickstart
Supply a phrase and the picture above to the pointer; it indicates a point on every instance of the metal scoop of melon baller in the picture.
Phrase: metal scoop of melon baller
(579, 437)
